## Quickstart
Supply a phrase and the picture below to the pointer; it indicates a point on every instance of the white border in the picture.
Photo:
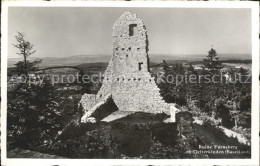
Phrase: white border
(254, 6)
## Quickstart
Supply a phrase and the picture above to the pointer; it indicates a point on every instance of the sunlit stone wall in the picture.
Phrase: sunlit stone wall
(127, 77)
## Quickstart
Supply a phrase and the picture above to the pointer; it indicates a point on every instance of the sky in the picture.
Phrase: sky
(69, 31)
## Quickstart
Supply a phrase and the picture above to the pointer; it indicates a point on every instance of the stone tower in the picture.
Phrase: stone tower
(130, 45)
(127, 79)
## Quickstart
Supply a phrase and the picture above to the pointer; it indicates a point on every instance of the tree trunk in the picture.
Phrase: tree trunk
(25, 63)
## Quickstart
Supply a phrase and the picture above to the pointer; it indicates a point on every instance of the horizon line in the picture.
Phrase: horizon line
(9, 58)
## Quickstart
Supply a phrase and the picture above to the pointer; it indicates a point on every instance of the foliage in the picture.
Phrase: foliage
(222, 111)
(33, 118)
(245, 103)
(31, 66)
(85, 83)
(170, 87)
(85, 141)
(159, 150)
(214, 99)
(212, 61)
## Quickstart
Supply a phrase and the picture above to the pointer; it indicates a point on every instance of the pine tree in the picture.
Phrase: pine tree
(212, 62)
(33, 117)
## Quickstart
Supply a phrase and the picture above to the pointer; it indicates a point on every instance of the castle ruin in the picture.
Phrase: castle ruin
(127, 79)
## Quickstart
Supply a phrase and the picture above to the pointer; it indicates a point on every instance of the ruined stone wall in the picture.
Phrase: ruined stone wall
(127, 77)
(130, 45)
(88, 101)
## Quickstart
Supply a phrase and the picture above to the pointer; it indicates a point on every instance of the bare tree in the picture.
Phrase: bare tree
(25, 49)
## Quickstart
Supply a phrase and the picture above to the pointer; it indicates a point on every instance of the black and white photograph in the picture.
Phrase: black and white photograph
(130, 82)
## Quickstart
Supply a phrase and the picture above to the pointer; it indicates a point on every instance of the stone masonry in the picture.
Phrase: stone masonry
(127, 78)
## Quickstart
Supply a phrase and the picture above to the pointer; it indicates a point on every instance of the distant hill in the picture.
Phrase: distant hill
(90, 65)
(102, 59)
(157, 58)
(65, 61)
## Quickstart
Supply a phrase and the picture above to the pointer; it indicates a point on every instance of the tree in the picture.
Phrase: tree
(165, 66)
(191, 70)
(245, 103)
(172, 90)
(25, 50)
(86, 84)
(212, 62)
(243, 71)
(33, 117)
(30, 66)
(167, 86)
(222, 111)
